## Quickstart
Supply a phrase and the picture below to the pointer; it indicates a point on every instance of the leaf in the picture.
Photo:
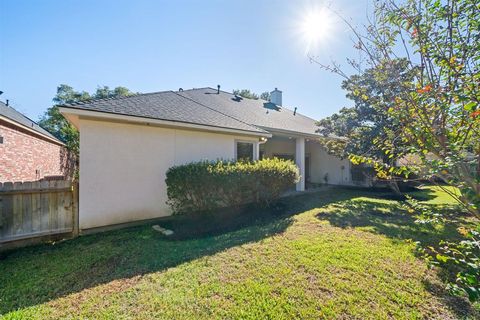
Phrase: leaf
(471, 279)
(470, 106)
(472, 293)
(442, 258)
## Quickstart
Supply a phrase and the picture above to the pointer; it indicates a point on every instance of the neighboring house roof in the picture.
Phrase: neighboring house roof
(22, 120)
(166, 105)
(206, 106)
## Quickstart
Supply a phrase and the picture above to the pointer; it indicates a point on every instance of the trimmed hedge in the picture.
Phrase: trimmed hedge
(201, 186)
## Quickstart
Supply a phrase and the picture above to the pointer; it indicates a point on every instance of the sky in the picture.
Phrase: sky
(150, 46)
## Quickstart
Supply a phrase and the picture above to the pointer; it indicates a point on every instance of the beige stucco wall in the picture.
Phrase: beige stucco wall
(322, 163)
(123, 166)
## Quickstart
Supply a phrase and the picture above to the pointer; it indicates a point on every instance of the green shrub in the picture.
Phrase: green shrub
(205, 185)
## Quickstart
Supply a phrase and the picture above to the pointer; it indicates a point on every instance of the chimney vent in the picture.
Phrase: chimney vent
(276, 97)
(7, 103)
(295, 111)
(218, 89)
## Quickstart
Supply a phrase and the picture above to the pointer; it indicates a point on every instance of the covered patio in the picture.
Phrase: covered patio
(315, 164)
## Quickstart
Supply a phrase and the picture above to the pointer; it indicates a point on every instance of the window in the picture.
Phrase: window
(244, 151)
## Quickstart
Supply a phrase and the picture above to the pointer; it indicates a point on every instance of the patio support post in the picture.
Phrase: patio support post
(300, 161)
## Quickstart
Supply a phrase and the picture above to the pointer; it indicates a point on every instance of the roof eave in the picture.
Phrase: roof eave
(35, 132)
(68, 112)
(298, 133)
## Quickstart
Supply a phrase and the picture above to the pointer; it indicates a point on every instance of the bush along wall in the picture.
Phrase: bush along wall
(206, 185)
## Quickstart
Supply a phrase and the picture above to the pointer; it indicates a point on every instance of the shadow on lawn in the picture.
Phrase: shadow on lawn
(35, 275)
(39, 274)
(391, 220)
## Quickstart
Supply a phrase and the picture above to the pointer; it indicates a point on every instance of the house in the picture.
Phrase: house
(127, 144)
(27, 151)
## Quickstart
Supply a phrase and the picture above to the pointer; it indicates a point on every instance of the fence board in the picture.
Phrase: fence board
(36, 212)
(44, 207)
(35, 209)
(17, 212)
(7, 219)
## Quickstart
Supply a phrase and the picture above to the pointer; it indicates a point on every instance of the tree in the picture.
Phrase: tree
(54, 122)
(368, 119)
(265, 96)
(105, 92)
(246, 93)
(436, 113)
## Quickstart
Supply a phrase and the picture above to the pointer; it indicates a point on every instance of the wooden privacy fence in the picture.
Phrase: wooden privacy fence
(34, 210)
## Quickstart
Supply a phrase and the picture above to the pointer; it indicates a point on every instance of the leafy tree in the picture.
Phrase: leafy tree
(265, 96)
(106, 92)
(436, 114)
(368, 119)
(246, 93)
(54, 122)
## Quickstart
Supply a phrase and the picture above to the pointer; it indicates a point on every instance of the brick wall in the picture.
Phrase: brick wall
(25, 156)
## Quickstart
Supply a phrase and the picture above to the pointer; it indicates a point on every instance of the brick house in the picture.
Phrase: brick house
(27, 151)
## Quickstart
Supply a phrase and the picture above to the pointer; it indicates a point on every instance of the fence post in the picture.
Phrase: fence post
(76, 227)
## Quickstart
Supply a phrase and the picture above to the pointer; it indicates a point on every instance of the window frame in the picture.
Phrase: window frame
(254, 147)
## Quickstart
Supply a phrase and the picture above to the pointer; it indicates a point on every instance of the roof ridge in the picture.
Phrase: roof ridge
(92, 100)
(230, 93)
(138, 94)
(224, 114)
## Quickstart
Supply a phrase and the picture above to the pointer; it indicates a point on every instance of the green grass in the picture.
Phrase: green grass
(338, 253)
(437, 196)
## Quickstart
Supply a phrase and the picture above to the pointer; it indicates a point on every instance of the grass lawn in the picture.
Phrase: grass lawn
(338, 253)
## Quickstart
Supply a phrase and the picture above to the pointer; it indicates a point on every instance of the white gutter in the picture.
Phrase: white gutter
(149, 121)
(298, 134)
(18, 124)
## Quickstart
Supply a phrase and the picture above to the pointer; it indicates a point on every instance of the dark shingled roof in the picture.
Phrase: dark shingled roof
(14, 115)
(166, 105)
(206, 107)
(259, 112)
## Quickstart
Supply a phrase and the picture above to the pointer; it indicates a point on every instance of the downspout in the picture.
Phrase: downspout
(262, 140)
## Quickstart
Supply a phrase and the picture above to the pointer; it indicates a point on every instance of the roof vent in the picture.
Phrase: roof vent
(180, 89)
(276, 97)
(218, 89)
(295, 111)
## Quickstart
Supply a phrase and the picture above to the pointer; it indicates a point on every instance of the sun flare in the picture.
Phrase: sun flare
(316, 26)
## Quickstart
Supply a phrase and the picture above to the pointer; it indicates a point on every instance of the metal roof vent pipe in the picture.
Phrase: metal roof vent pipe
(295, 111)
(276, 97)
(218, 89)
